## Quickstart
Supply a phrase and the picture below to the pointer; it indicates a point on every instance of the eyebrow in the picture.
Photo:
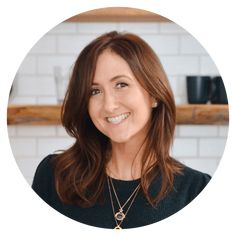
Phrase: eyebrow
(114, 79)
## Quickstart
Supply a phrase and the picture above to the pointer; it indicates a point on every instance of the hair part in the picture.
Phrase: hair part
(80, 171)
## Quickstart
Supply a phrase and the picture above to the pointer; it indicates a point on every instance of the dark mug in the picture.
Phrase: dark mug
(218, 93)
(198, 89)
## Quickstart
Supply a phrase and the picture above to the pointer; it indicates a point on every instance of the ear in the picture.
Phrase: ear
(154, 103)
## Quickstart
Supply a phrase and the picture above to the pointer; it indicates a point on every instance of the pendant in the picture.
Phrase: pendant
(120, 215)
(117, 227)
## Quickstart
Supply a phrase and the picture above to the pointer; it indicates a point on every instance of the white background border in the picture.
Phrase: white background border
(211, 22)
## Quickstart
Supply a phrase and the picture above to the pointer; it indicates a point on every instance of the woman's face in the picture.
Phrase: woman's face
(118, 106)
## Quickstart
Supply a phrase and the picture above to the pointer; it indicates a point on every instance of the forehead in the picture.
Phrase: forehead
(109, 65)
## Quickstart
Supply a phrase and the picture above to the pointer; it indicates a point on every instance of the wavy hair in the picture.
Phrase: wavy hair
(80, 171)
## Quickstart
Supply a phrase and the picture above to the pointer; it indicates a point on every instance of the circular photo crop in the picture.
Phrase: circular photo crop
(118, 118)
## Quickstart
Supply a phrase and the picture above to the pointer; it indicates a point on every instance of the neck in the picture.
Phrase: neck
(125, 161)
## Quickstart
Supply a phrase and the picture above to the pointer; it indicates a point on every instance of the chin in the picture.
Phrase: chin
(119, 139)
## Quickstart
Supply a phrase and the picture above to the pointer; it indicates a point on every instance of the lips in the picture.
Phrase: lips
(118, 119)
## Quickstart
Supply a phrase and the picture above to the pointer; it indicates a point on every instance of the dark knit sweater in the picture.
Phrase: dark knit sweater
(186, 188)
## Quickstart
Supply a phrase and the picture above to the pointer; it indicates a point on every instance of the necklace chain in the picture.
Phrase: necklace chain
(120, 215)
(117, 199)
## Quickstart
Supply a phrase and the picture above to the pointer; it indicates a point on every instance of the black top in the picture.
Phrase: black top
(186, 188)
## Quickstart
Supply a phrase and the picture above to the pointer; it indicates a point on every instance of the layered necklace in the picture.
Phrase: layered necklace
(121, 213)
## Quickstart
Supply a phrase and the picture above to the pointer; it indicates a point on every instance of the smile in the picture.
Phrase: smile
(118, 119)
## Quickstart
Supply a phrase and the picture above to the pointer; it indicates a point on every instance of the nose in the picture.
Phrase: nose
(110, 103)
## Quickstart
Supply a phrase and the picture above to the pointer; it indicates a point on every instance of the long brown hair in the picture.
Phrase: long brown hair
(80, 174)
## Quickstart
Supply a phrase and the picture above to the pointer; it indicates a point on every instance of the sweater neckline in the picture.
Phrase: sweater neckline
(132, 181)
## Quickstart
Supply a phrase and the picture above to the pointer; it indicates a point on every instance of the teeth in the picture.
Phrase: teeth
(117, 119)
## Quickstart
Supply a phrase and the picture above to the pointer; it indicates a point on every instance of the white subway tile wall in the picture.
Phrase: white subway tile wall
(28, 66)
(46, 45)
(188, 45)
(167, 28)
(163, 44)
(199, 146)
(39, 86)
(139, 28)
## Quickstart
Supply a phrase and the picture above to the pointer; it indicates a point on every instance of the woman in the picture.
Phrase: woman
(120, 109)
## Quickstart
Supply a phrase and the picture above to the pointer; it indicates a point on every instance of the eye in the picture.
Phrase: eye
(95, 91)
(121, 85)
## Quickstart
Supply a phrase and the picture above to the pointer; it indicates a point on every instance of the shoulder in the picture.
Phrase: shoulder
(195, 175)
(191, 182)
(43, 181)
(45, 166)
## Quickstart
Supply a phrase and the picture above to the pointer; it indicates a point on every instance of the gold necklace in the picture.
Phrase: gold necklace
(120, 215)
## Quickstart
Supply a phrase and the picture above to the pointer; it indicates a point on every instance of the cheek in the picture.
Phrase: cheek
(143, 109)
(94, 113)
(92, 110)
(140, 102)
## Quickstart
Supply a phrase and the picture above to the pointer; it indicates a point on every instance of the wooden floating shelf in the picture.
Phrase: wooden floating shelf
(33, 115)
(120, 14)
(50, 114)
(202, 114)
